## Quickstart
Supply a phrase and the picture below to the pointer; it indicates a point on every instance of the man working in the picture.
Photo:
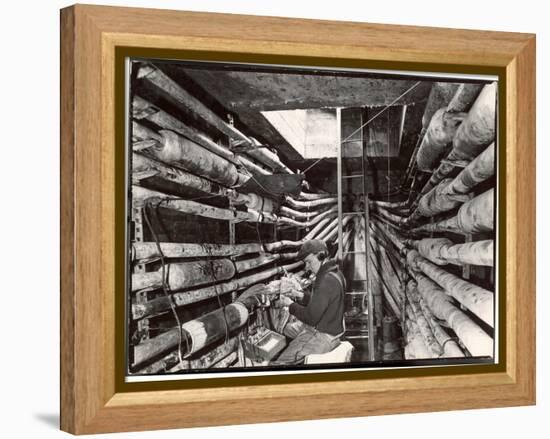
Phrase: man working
(324, 312)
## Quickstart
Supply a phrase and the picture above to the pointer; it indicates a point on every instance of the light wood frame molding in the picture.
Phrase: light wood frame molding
(91, 401)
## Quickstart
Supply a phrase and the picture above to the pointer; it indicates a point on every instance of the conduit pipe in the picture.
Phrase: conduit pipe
(448, 348)
(436, 142)
(162, 304)
(477, 215)
(442, 251)
(415, 347)
(179, 95)
(451, 193)
(473, 136)
(476, 340)
(413, 312)
(141, 196)
(199, 333)
(464, 97)
(144, 167)
(143, 109)
(287, 211)
(194, 158)
(185, 274)
(309, 223)
(253, 201)
(297, 204)
(478, 129)
(313, 196)
(146, 251)
(476, 299)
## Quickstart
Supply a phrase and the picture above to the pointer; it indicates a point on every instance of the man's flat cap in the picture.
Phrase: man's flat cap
(312, 247)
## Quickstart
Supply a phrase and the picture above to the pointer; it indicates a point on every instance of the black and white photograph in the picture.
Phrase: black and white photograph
(284, 219)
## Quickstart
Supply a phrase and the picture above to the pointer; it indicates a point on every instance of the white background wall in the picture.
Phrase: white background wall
(29, 182)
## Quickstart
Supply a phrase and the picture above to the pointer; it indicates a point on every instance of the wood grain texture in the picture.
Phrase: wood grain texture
(67, 336)
(90, 35)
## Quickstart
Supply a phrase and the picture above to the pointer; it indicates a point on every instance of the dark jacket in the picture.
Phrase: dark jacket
(325, 309)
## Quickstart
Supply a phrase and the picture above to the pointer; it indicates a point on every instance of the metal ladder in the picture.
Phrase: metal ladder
(366, 302)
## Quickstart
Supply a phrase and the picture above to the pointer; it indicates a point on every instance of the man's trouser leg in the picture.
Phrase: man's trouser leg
(309, 341)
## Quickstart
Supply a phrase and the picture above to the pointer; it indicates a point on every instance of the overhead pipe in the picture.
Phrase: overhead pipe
(193, 207)
(415, 346)
(184, 152)
(264, 259)
(464, 97)
(412, 312)
(143, 109)
(478, 129)
(288, 212)
(444, 345)
(171, 361)
(391, 217)
(437, 201)
(185, 274)
(315, 196)
(473, 136)
(331, 231)
(253, 201)
(141, 132)
(475, 216)
(478, 300)
(374, 274)
(318, 228)
(477, 171)
(440, 95)
(188, 274)
(437, 140)
(180, 96)
(451, 193)
(198, 333)
(326, 230)
(385, 272)
(297, 204)
(443, 126)
(328, 213)
(389, 205)
(146, 251)
(142, 196)
(476, 340)
(390, 235)
(162, 304)
(267, 157)
(145, 167)
(451, 349)
(443, 251)
(176, 93)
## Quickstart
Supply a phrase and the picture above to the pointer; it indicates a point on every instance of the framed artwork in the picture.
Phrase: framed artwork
(277, 219)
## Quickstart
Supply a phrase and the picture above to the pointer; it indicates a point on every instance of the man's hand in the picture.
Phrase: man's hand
(285, 301)
(296, 294)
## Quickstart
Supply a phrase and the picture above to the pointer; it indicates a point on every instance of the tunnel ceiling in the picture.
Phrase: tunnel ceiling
(246, 94)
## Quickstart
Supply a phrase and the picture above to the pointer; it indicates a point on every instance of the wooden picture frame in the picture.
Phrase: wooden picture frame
(94, 399)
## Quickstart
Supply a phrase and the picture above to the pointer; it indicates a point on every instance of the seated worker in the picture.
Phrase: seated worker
(323, 316)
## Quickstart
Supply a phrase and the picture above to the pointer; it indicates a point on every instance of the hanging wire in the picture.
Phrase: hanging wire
(166, 287)
(383, 110)
(210, 260)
